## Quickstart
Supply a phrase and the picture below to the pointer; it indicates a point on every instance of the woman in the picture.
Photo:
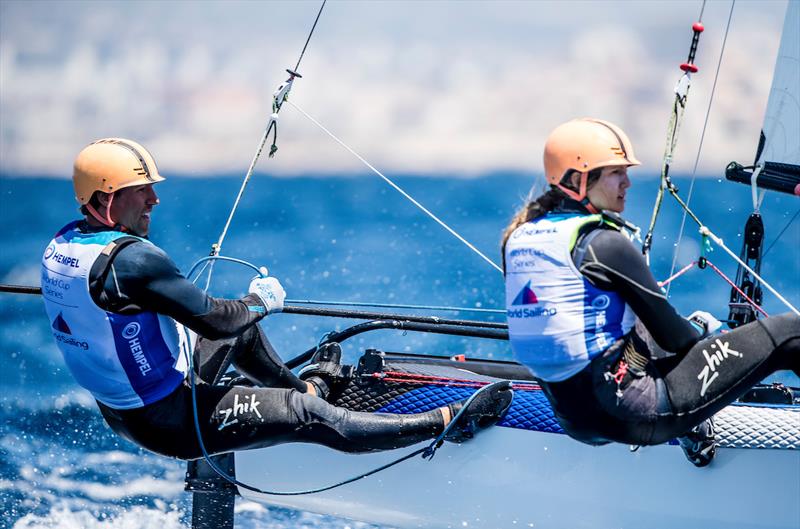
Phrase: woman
(586, 316)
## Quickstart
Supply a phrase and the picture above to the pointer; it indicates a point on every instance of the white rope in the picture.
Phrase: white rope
(216, 248)
(397, 188)
(758, 197)
(271, 123)
(705, 231)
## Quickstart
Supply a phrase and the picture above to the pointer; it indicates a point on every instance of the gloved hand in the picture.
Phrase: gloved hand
(706, 322)
(269, 291)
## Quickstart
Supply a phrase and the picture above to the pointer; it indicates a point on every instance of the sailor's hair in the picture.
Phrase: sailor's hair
(542, 205)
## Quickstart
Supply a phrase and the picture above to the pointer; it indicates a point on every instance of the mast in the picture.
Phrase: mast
(777, 162)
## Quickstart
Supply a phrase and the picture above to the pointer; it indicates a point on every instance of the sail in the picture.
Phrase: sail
(781, 128)
(778, 151)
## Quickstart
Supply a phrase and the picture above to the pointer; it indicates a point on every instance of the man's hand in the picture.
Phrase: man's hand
(269, 291)
(707, 323)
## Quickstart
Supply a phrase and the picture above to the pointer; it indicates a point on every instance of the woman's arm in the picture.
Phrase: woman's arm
(611, 262)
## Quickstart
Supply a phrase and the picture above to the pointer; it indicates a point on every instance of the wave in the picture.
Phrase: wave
(137, 517)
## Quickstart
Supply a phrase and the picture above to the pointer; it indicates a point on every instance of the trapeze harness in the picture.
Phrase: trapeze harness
(615, 359)
(118, 305)
(557, 319)
(124, 360)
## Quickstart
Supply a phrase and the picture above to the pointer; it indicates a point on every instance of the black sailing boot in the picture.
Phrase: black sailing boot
(326, 372)
(700, 444)
(486, 409)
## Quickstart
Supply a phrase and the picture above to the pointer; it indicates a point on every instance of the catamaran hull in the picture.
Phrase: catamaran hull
(525, 472)
(515, 478)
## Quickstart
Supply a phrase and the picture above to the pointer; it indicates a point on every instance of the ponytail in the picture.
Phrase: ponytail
(543, 205)
(534, 209)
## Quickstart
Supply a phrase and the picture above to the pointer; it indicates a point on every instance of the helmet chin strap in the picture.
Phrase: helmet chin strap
(107, 220)
(580, 196)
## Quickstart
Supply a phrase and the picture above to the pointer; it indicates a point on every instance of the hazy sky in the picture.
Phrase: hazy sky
(424, 87)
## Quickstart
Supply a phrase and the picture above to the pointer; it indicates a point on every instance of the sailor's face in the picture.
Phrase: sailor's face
(132, 207)
(610, 189)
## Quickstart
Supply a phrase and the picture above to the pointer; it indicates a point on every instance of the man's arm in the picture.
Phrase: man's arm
(611, 262)
(142, 277)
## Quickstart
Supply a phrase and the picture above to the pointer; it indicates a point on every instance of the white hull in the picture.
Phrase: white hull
(516, 478)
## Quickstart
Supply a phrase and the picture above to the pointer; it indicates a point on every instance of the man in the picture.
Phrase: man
(118, 307)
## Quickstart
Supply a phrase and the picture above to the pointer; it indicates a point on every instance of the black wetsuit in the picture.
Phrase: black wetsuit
(141, 277)
(670, 376)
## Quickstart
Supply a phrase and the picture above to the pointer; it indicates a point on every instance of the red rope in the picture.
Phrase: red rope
(731, 283)
(722, 275)
(410, 378)
(677, 274)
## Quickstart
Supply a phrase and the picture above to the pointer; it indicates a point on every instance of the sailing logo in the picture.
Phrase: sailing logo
(239, 408)
(63, 334)
(60, 324)
(526, 296)
(714, 360)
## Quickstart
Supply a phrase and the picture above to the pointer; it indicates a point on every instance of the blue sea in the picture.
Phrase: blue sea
(336, 238)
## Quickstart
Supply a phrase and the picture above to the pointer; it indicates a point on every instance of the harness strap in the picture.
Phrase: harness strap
(102, 266)
(583, 246)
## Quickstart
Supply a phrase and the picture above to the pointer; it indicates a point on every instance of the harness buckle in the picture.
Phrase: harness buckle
(618, 377)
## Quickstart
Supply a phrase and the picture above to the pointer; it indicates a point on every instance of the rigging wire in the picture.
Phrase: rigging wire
(681, 91)
(308, 39)
(796, 213)
(708, 233)
(397, 188)
(676, 118)
(702, 138)
(719, 273)
(278, 98)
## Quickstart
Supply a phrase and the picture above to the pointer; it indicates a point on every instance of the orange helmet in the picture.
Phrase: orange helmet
(111, 164)
(584, 145)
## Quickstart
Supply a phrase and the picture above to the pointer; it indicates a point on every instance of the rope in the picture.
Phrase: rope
(313, 27)
(278, 98)
(708, 233)
(430, 450)
(411, 378)
(736, 287)
(397, 188)
(721, 274)
(672, 278)
(702, 137)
